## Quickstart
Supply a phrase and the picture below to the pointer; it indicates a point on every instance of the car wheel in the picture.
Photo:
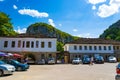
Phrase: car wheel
(1, 73)
(19, 69)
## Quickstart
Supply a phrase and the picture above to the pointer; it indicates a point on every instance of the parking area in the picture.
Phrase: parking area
(104, 71)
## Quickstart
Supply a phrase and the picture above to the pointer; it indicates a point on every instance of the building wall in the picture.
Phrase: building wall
(28, 49)
(81, 51)
(71, 48)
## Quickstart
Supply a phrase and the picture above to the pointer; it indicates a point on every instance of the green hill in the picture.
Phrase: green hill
(113, 32)
(50, 31)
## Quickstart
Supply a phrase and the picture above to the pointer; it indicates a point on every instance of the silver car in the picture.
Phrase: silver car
(6, 68)
(76, 61)
(112, 59)
(51, 61)
(42, 61)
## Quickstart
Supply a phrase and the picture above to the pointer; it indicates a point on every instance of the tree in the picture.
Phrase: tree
(113, 32)
(6, 28)
(60, 46)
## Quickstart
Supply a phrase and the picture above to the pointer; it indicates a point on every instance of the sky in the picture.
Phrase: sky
(83, 18)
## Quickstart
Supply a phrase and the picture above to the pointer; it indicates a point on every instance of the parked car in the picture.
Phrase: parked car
(117, 77)
(112, 59)
(76, 61)
(42, 61)
(98, 59)
(51, 61)
(59, 61)
(19, 66)
(86, 60)
(30, 61)
(6, 68)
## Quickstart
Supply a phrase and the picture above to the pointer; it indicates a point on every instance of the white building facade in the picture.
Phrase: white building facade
(39, 46)
(91, 47)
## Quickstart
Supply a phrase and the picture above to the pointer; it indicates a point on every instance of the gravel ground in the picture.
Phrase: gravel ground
(66, 72)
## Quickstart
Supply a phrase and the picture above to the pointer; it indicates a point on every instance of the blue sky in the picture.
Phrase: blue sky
(84, 18)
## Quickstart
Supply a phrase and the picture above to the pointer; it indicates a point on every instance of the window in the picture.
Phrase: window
(27, 44)
(13, 44)
(42, 44)
(90, 47)
(49, 44)
(95, 47)
(100, 48)
(75, 47)
(19, 44)
(85, 47)
(37, 43)
(104, 47)
(6, 44)
(80, 47)
(23, 44)
(109, 47)
(32, 44)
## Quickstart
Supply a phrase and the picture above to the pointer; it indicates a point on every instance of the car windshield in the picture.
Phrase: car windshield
(51, 58)
(87, 59)
(111, 57)
(1, 62)
(99, 57)
(76, 59)
(16, 62)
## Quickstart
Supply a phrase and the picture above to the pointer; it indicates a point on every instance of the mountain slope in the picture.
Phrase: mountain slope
(50, 31)
(113, 32)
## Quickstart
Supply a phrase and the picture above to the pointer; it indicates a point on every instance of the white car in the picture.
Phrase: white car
(112, 59)
(76, 61)
(6, 68)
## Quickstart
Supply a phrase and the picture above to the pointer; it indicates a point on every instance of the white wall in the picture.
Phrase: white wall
(70, 48)
(39, 49)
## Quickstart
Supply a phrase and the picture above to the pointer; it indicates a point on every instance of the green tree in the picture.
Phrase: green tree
(6, 28)
(113, 32)
(60, 46)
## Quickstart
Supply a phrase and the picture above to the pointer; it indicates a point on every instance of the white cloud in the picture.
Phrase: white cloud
(33, 13)
(15, 7)
(51, 22)
(86, 35)
(108, 10)
(60, 25)
(1, 0)
(75, 30)
(19, 30)
(96, 1)
(93, 7)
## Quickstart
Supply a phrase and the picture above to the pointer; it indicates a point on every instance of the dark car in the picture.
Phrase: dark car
(117, 77)
(86, 60)
(19, 66)
(98, 59)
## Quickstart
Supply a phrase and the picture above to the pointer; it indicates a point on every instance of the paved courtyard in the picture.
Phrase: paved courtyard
(66, 72)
